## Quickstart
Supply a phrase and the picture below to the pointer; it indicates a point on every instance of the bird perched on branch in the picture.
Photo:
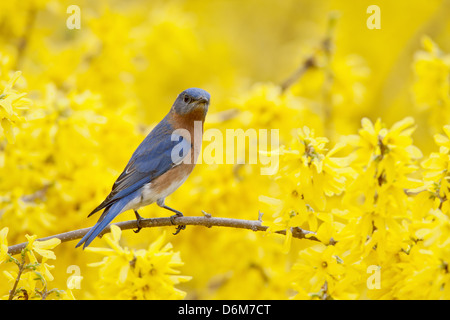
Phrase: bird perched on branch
(160, 164)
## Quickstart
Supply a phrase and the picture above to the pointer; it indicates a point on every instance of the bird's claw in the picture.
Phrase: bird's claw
(179, 227)
(138, 228)
(138, 222)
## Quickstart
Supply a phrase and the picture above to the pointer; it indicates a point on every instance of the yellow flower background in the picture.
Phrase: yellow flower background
(364, 124)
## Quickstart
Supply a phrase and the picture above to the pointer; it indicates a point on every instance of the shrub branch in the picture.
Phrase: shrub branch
(206, 220)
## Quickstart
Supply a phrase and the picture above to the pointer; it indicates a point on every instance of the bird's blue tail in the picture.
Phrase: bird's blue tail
(106, 218)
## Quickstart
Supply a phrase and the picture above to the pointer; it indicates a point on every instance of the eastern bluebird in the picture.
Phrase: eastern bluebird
(154, 170)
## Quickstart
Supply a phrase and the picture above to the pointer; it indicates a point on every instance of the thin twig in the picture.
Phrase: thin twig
(206, 220)
(311, 61)
(305, 66)
(13, 290)
(25, 39)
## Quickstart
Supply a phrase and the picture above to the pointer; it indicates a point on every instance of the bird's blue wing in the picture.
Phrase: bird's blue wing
(160, 151)
(154, 156)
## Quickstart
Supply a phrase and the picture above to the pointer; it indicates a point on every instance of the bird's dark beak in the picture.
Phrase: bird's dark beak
(202, 100)
(202, 103)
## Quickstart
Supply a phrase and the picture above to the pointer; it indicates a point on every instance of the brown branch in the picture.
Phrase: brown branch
(311, 61)
(16, 282)
(25, 39)
(207, 221)
(305, 66)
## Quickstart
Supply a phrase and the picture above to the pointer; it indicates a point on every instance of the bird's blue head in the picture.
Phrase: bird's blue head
(191, 99)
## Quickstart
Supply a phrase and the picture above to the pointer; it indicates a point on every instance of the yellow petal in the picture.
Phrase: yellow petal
(123, 274)
(8, 129)
(47, 244)
(116, 233)
(440, 139)
(367, 125)
(447, 130)
(414, 152)
(403, 124)
(3, 244)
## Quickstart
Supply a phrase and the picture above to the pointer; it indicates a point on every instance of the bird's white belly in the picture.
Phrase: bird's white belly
(149, 195)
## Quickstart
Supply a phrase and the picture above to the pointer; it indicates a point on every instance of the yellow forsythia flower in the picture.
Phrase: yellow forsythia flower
(10, 103)
(34, 274)
(309, 173)
(3, 244)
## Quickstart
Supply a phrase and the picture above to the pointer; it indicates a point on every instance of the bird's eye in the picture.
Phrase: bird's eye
(187, 99)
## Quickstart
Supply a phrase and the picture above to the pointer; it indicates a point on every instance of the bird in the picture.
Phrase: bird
(159, 165)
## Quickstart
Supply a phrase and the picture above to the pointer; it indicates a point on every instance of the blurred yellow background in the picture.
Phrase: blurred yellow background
(95, 92)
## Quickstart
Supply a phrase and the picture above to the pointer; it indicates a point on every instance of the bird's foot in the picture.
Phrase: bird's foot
(179, 227)
(177, 214)
(138, 221)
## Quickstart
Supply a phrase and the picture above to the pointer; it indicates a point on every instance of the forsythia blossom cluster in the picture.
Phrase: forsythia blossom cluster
(11, 104)
(309, 175)
(138, 274)
(33, 275)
